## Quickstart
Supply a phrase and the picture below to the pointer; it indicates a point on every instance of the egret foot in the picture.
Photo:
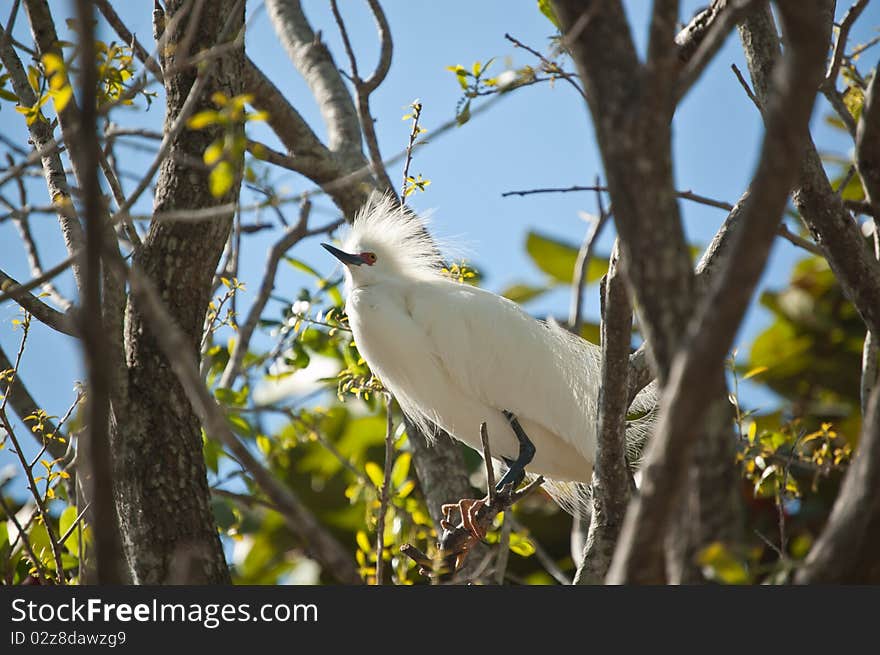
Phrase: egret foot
(517, 468)
(468, 508)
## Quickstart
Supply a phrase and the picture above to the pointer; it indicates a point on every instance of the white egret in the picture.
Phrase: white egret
(457, 355)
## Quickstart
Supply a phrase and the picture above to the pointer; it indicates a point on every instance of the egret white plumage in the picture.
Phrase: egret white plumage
(457, 356)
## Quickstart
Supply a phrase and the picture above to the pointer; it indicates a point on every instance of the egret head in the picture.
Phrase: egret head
(386, 242)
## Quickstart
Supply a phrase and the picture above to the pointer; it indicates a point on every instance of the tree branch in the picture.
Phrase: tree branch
(108, 549)
(718, 316)
(363, 89)
(612, 482)
(291, 237)
(632, 110)
(704, 37)
(56, 320)
(40, 133)
(820, 208)
(312, 58)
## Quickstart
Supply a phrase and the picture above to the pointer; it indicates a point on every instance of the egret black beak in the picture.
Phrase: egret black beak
(346, 258)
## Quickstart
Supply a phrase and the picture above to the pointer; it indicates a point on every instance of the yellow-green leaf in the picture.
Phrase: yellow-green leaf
(221, 179)
(375, 473)
(363, 541)
(755, 371)
(400, 469)
(720, 564)
(213, 152)
(203, 119)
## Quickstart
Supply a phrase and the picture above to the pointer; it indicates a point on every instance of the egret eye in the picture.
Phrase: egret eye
(369, 258)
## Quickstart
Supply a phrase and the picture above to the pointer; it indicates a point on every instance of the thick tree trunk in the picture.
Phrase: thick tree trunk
(163, 498)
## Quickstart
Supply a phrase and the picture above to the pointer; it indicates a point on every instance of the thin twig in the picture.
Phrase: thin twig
(75, 523)
(291, 237)
(684, 195)
(503, 549)
(543, 556)
(582, 263)
(363, 88)
(487, 458)
(28, 472)
(61, 322)
(38, 564)
(840, 44)
(745, 86)
(385, 495)
(413, 135)
(549, 66)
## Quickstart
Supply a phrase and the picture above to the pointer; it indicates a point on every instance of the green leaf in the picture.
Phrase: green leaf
(375, 473)
(720, 564)
(264, 444)
(239, 425)
(522, 293)
(232, 397)
(755, 371)
(521, 545)
(400, 469)
(68, 516)
(203, 119)
(221, 179)
(213, 152)
(302, 266)
(211, 450)
(547, 9)
(223, 514)
(558, 259)
(363, 541)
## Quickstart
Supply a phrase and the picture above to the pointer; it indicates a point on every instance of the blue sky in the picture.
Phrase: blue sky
(536, 137)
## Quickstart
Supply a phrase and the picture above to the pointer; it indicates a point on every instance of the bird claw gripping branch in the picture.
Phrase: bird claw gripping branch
(476, 519)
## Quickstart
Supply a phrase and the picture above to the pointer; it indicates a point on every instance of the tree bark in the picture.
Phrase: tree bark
(163, 498)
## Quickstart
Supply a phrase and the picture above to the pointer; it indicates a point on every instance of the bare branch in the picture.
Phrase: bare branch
(582, 265)
(821, 209)
(46, 148)
(711, 28)
(385, 493)
(684, 195)
(549, 66)
(58, 269)
(312, 58)
(686, 398)
(363, 90)
(846, 24)
(308, 155)
(657, 259)
(291, 237)
(22, 224)
(41, 311)
(612, 482)
(868, 144)
(108, 549)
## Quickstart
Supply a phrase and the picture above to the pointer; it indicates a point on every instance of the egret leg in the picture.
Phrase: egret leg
(516, 470)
